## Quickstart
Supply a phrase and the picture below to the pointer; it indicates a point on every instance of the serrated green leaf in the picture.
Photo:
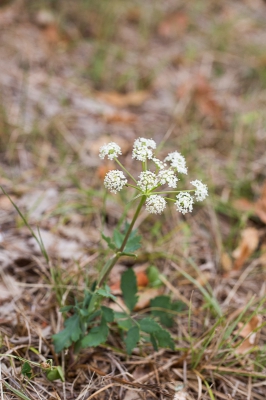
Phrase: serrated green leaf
(26, 370)
(105, 293)
(55, 373)
(108, 314)
(96, 336)
(164, 339)
(164, 303)
(133, 243)
(148, 325)
(154, 342)
(118, 238)
(129, 288)
(109, 242)
(123, 321)
(132, 339)
(154, 276)
(71, 333)
(178, 306)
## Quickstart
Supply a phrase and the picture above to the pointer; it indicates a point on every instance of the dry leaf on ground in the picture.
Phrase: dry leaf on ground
(124, 100)
(202, 94)
(173, 25)
(248, 244)
(248, 333)
(146, 296)
(260, 206)
(243, 204)
(226, 262)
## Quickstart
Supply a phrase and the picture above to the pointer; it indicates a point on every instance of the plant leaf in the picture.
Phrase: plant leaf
(129, 288)
(148, 325)
(26, 370)
(133, 243)
(108, 314)
(55, 373)
(164, 302)
(163, 337)
(154, 276)
(132, 338)
(123, 321)
(118, 238)
(71, 333)
(106, 293)
(96, 336)
(109, 242)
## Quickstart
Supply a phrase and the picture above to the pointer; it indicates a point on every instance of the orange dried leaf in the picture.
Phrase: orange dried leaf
(226, 262)
(173, 25)
(146, 296)
(248, 333)
(103, 169)
(248, 244)
(260, 206)
(124, 100)
(244, 205)
(120, 117)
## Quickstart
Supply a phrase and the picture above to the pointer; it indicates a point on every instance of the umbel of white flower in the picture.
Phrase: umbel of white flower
(155, 173)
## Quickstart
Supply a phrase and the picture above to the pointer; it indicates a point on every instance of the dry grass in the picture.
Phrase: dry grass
(202, 67)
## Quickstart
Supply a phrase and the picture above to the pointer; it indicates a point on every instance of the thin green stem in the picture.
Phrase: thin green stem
(126, 171)
(174, 191)
(135, 187)
(110, 264)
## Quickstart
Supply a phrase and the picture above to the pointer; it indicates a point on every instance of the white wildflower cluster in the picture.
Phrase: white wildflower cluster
(184, 202)
(111, 150)
(201, 190)
(149, 181)
(155, 204)
(168, 177)
(142, 149)
(115, 181)
(177, 161)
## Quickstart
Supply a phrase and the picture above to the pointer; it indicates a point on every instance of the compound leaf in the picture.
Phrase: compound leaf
(109, 242)
(129, 288)
(96, 336)
(71, 333)
(132, 338)
(108, 314)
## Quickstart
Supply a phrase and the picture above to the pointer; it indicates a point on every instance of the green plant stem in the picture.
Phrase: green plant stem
(126, 171)
(110, 263)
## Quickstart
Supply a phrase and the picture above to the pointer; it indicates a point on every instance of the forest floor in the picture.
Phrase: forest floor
(192, 76)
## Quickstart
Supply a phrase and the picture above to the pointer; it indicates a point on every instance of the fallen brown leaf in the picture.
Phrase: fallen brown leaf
(120, 117)
(103, 169)
(244, 205)
(248, 244)
(260, 206)
(173, 25)
(246, 332)
(226, 262)
(202, 95)
(146, 296)
(124, 100)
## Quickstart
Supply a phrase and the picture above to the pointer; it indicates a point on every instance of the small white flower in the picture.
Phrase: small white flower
(160, 164)
(168, 176)
(147, 181)
(142, 149)
(155, 204)
(111, 150)
(201, 190)
(184, 202)
(177, 161)
(115, 180)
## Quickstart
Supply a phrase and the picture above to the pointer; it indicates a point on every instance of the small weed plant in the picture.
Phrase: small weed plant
(88, 321)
